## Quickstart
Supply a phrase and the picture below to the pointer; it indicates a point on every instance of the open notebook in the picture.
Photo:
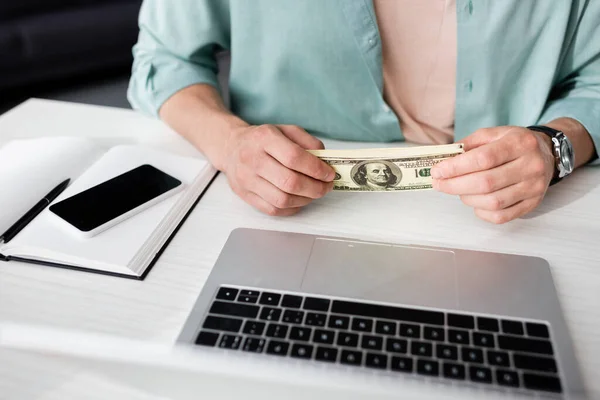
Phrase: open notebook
(30, 168)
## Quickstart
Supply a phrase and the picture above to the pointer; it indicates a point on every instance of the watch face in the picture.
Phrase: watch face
(567, 158)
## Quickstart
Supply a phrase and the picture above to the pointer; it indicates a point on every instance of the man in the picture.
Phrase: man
(376, 175)
(433, 71)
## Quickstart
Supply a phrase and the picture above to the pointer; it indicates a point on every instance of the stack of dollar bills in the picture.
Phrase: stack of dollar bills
(386, 169)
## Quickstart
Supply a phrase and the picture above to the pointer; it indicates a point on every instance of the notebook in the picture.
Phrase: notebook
(30, 168)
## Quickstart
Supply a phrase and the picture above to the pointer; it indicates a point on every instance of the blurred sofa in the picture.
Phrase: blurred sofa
(47, 40)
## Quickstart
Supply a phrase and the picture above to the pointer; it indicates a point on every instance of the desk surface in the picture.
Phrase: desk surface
(565, 230)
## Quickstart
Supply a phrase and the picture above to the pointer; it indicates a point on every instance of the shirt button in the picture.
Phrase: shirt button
(386, 108)
(371, 41)
(469, 85)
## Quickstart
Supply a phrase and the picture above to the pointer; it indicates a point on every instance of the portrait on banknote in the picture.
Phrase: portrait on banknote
(376, 175)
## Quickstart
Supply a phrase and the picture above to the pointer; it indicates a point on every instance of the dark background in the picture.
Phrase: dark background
(72, 50)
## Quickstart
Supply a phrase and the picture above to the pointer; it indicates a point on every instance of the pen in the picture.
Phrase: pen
(33, 212)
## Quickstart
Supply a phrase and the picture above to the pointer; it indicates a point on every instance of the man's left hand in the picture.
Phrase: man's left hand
(503, 174)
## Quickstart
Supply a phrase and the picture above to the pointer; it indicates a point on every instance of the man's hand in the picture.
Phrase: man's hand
(503, 174)
(269, 168)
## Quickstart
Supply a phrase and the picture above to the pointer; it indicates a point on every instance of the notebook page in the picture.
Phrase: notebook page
(31, 168)
(48, 236)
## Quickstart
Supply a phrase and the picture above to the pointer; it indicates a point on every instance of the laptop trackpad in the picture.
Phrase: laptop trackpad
(380, 272)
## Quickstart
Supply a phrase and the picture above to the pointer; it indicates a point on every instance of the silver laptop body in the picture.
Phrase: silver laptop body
(471, 287)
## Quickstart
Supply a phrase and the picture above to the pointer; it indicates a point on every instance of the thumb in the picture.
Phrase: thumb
(301, 137)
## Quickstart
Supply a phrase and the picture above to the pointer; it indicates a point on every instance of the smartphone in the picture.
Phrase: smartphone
(106, 204)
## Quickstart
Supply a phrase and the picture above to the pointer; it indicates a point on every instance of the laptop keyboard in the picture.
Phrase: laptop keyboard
(460, 347)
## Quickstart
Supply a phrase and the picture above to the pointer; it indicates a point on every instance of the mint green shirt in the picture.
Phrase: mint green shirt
(318, 64)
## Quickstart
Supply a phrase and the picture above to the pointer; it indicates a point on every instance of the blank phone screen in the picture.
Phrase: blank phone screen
(102, 203)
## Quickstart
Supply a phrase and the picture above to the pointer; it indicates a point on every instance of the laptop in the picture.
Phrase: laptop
(380, 312)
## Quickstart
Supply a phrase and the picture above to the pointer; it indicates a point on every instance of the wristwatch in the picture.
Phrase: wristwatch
(563, 151)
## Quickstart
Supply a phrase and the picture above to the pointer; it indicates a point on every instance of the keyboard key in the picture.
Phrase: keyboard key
(339, 322)
(376, 361)
(234, 309)
(293, 316)
(542, 382)
(323, 336)
(277, 331)
(428, 367)
(245, 298)
(458, 336)
(447, 352)
(410, 330)
(230, 342)
(315, 319)
(483, 339)
(270, 314)
(291, 301)
(372, 342)
(422, 349)
(402, 364)
(250, 293)
(538, 330)
(543, 364)
(472, 355)
(362, 325)
(254, 328)
(347, 339)
(498, 358)
(480, 374)
(487, 324)
(396, 345)
(226, 293)
(512, 327)
(315, 304)
(207, 338)
(302, 350)
(387, 312)
(278, 348)
(270, 299)
(461, 321)
(431, 333)
(385, 328)
(454, 371)
(302, 334)
(507, 378)
(222, 324)
(254, 345)
(526, 345)
(350, 357)
(327, 354)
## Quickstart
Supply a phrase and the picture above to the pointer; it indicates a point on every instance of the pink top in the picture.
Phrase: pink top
(419, 66)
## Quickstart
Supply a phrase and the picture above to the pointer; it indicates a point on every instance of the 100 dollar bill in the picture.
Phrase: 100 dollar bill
(388, 169)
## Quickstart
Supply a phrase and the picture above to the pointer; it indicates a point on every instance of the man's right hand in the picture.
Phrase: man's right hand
(269, 168)
(267, 165)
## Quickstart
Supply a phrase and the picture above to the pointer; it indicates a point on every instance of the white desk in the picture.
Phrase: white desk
(565, 230)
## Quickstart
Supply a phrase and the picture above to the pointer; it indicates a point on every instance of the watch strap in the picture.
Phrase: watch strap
(552, 133)
(544, 129)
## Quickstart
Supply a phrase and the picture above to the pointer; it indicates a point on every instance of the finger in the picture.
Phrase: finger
(261, 204)
(296, 158)
(481, 158)
(482, 136)
(506, 197)
(276, 197)
(483, 182)
(258, 202)
(290, 181)
(508, 214)
(301, 137)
